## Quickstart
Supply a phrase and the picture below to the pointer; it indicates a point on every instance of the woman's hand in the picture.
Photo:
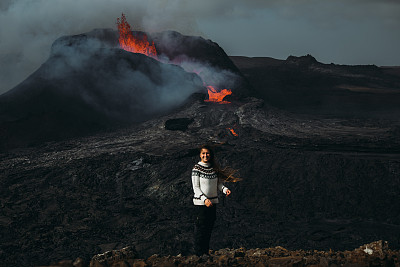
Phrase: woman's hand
(208, 203)
(228, 192)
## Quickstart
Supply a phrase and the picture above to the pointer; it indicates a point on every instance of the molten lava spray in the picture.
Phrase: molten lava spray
(136, 44)
(215, 96)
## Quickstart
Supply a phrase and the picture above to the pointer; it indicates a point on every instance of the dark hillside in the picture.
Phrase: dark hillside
(304, 85)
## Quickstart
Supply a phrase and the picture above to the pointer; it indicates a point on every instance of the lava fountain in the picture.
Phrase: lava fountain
(134, 44)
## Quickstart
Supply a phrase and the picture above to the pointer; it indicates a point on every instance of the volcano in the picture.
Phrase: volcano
(88, 85)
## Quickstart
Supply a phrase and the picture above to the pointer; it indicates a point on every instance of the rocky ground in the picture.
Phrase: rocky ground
(308, 183)
(373, 254)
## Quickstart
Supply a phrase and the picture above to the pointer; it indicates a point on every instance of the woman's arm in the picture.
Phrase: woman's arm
(223, 188)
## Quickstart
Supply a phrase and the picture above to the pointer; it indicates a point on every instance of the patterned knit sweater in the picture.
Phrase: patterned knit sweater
(205, 184)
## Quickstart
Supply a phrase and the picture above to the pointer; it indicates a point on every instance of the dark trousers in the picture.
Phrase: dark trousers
(204, 223)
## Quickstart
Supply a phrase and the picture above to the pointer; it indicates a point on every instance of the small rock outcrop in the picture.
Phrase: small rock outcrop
(109, 258)
(302, 60)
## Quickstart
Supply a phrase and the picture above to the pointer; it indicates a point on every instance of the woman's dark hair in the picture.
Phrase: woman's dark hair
(227, 173)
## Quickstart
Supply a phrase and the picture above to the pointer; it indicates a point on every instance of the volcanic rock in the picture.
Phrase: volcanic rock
(110, 257)
(275, 256)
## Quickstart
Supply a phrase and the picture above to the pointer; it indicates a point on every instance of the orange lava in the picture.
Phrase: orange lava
(217, 97)
(233, 132)
(134, 44)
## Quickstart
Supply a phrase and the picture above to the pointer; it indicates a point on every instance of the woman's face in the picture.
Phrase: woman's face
(205, 155)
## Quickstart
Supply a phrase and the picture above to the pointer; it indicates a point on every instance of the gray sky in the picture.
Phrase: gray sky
(338, 31)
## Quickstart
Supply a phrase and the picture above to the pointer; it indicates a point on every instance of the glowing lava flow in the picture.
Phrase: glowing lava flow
(233, 132)
(131, 43)
(215, 96)
(136, 44)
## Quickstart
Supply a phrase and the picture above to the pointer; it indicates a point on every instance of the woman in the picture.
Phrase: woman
(206, 180)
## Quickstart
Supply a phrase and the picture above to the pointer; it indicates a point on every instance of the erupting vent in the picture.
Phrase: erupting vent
(136, 44)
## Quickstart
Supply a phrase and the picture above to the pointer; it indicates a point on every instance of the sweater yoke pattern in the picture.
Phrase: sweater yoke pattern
(204, 172)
